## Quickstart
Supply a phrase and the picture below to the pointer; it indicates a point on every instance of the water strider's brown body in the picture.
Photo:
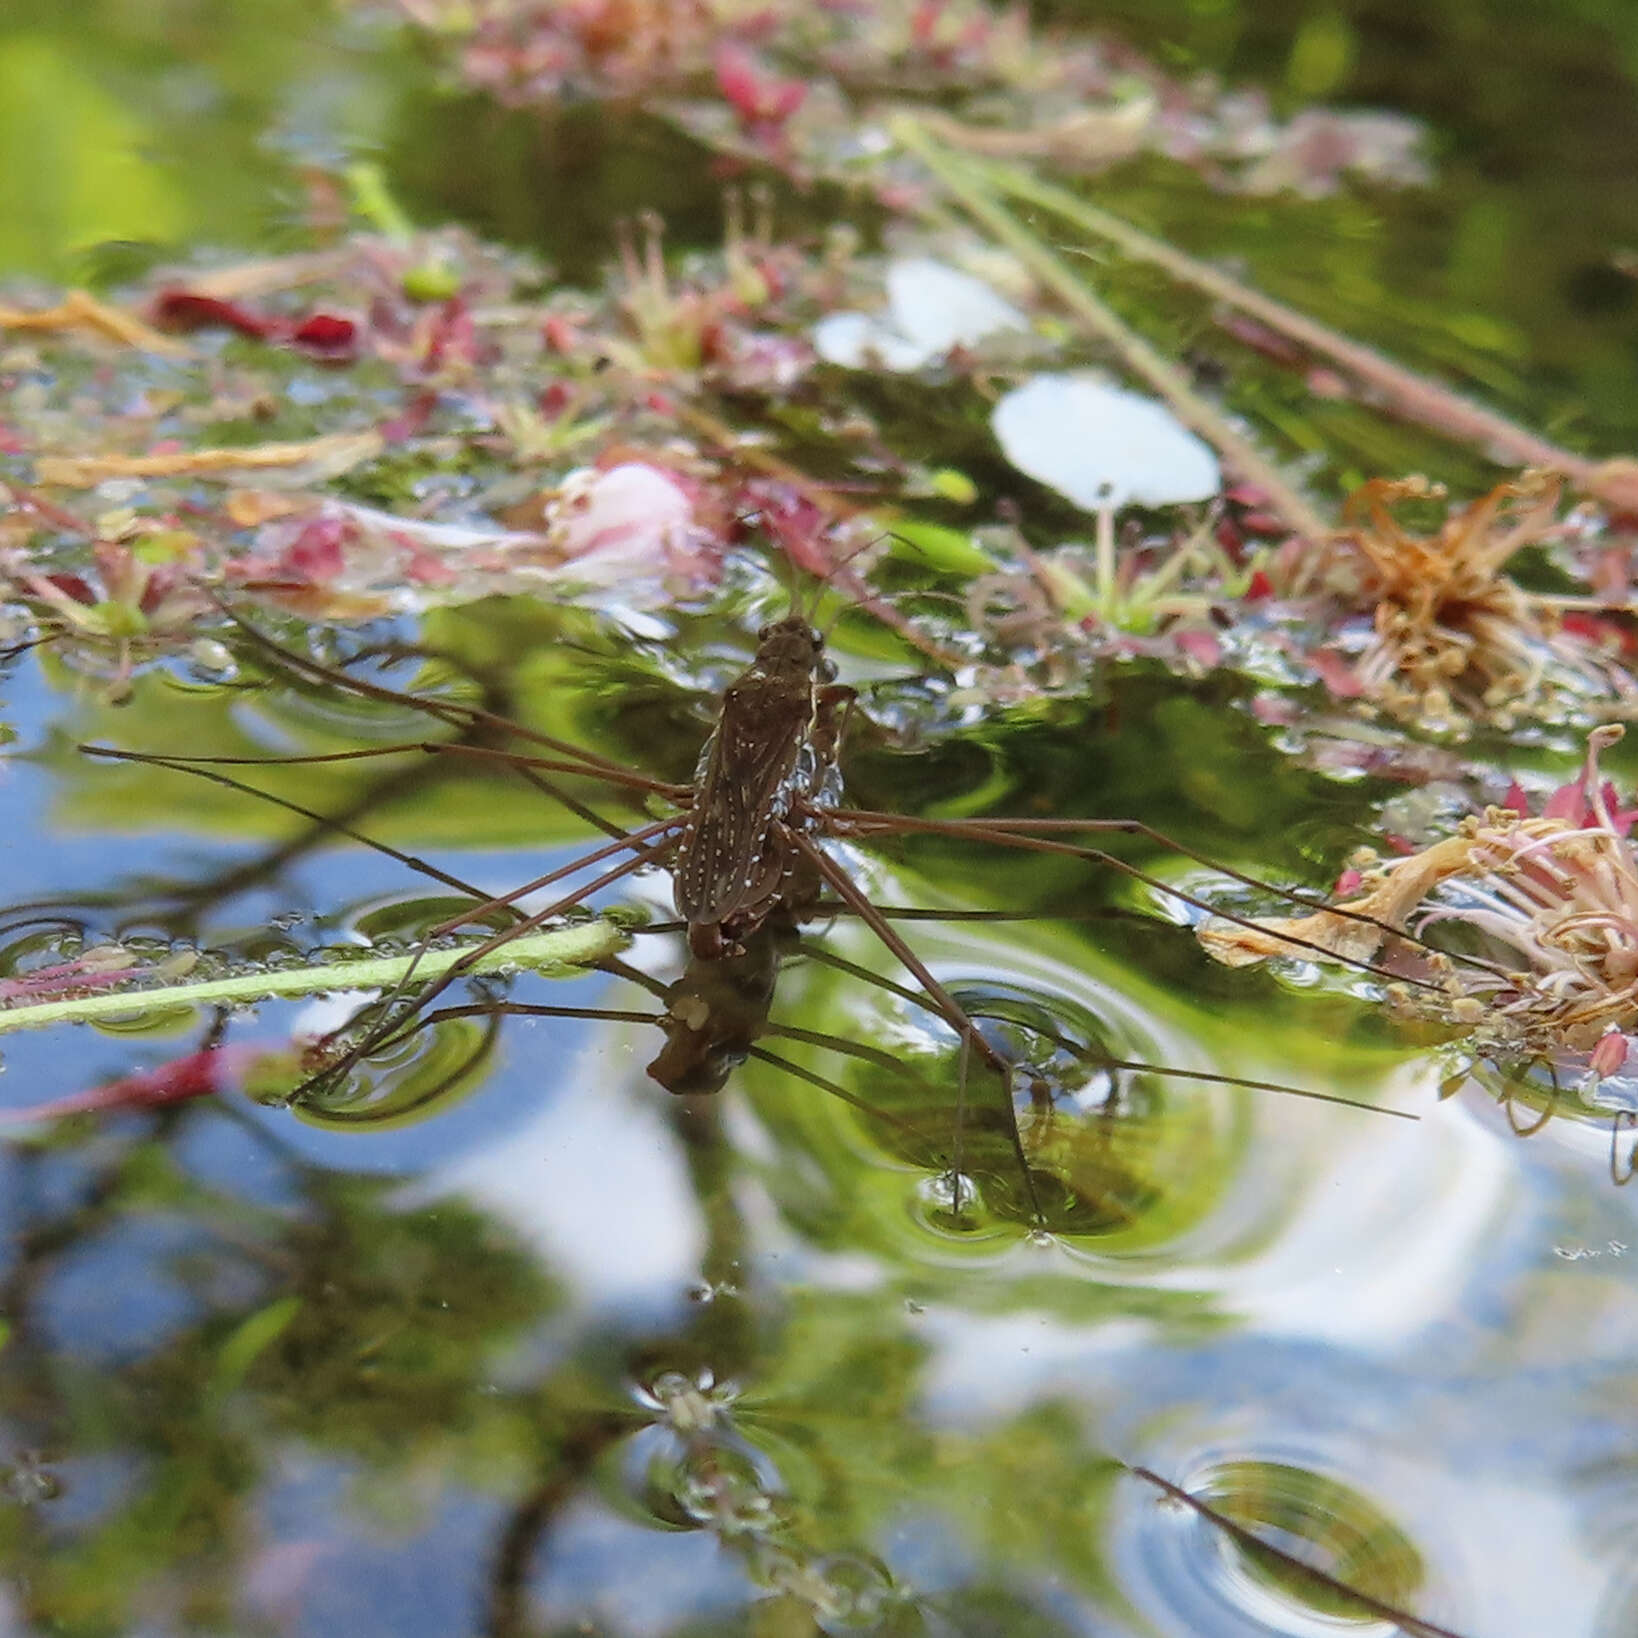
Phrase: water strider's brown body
(774, 747)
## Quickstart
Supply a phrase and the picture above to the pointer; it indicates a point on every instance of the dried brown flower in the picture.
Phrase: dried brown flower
(1452, 633)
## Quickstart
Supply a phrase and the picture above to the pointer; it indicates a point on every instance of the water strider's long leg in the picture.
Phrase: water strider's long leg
(833, 1089)
(424, 747)
(826, 730)
(636, 840)
(843, 886)
(531, 1009)
(392, 1025)
(453, 712)
(204, 768)
(191, 766)
(829, 958)
(1017, 834)
(995, 828)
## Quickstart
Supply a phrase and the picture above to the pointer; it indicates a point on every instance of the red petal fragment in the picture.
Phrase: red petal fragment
(178, 309)
(73, 586)
(758, 96)
(413, 421)
(1609, 1055)
(1202, 647)
(559, 334)
(326, 336)
(1337, 675)
(1568, 802)
(197, 1075)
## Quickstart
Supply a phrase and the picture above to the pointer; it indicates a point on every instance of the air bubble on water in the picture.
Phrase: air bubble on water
(212, 661)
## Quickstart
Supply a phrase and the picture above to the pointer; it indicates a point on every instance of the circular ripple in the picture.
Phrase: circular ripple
(1286, 1550)
(1083, 1138)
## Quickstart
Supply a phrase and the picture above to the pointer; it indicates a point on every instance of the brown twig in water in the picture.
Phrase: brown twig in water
(1413, 1625)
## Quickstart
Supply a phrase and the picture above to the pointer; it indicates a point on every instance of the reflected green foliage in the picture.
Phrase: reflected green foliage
(379, 1357)
(518, 659)
(87, 181)
(382, 1322)
(1359, 1545)
(147, 125)
(1509, 278)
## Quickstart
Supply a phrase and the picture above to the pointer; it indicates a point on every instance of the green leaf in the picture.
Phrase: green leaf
(75, 171)
(932, 546)
(249, 1340)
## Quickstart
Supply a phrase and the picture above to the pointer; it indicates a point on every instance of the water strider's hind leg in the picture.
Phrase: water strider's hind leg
(845, 889)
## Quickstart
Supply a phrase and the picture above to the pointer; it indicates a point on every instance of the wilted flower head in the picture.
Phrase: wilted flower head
(716, 317)
(1552, 901)
(1453, 636)
(139, 594)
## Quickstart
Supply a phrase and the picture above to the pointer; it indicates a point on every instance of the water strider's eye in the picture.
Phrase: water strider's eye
(827, 671)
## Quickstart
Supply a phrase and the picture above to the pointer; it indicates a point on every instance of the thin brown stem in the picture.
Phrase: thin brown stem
(1413, 1625)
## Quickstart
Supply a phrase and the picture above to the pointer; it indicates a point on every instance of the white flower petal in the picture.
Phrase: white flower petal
(857, 341)
(1101, 446)
(931, 309)
(939, 307)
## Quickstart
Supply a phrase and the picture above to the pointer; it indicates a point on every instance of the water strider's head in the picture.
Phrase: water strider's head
(793, 647)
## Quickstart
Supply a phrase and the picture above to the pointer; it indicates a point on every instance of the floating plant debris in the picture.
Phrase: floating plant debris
(1549, 905)
(1453, 637)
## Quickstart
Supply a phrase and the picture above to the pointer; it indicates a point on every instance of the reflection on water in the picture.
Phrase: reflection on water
(497, 1317)
(1332, 1529)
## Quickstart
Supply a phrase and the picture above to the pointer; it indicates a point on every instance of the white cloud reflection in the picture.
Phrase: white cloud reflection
(595, 1183)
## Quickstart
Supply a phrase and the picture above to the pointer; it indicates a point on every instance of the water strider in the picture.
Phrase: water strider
(769, 760)
(745, 845)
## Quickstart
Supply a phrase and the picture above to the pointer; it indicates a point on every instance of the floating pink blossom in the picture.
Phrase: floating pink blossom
(630, 520)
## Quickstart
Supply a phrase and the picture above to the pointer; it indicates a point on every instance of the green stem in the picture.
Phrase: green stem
(557, 953)
(966, 183)
(1106, 562)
